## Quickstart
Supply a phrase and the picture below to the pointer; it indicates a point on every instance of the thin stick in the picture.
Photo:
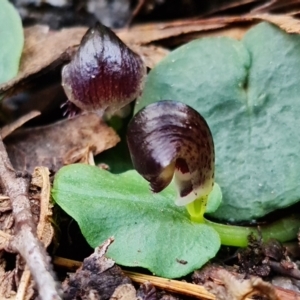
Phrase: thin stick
(8, 129)
(43, 172)
(25, 241)
(136, 10)
(24, 282)
(174, 286)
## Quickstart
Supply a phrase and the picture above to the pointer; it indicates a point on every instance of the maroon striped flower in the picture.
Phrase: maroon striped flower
(170, 140)
(104, 74)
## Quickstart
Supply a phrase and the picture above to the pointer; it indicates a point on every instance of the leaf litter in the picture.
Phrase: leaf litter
(45, 50)
(61, 143)
(102, 273)
(16, 283)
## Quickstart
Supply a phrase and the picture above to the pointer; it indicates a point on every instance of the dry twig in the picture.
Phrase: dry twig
(25, 241)
(44, 229)
(8, 129)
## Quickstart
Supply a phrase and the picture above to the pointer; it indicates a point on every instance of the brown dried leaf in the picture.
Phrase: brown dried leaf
(151, 55)
(45, 50)
(98, 277)
(45, 230)
(169, 297)
(240, 290)
(235, 31)
(4, 242)
(7, 283)
(84, 156)
(178, 32)
(4, 204)
(153, 32)
(222, 6)
(51, 146)
(285, 22)
(9, 280)
(276, 5)
(6, 222)
(2, 265)
(207, 273)
(124, 292)
(229, 286)
(8, 129)
(147, 291)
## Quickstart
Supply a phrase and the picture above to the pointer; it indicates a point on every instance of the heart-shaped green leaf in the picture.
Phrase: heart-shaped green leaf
(149, 230)
(249, 93)
(11, 41)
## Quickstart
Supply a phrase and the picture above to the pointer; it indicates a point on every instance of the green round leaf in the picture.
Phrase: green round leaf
(249, 93)
(214, 199)
(149, 230)
(11, 41)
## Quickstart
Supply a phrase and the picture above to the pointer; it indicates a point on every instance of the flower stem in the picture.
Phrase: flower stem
(282, 230)
(196, 209)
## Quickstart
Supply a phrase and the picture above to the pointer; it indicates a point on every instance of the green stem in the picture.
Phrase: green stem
(282, 230)
(196, 209)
